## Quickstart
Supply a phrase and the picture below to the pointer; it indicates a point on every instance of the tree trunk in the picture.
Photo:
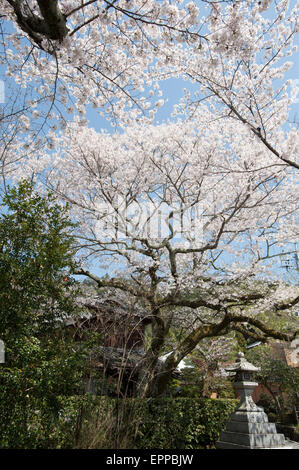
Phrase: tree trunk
(206, 390)
(163, 374)
(149, 369)
(147, 376)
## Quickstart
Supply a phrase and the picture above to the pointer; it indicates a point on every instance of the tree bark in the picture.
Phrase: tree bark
(51, 26)
(149, 369)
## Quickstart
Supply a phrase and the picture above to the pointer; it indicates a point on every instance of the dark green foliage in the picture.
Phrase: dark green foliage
(191, 384)
(181, 423)
(36, 292)
(276, 374)
(266, 402)
(35, 259)
(155, 423)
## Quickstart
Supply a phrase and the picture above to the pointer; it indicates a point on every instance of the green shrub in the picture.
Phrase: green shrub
(165, 423)
(42, 361)
(32, 424)
(90, 422)
(181, 423)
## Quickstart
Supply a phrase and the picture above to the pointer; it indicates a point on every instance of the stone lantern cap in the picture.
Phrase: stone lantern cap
(242, 365)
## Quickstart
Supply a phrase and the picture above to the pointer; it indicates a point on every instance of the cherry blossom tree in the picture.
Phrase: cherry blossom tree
(59, 59)
(186, 217)
(240, 71)
(113, 55)
(94, 53)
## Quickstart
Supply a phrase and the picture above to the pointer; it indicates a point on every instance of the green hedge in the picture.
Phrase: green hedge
(29, 423)
(102, 422)
(156, 423)
(179, 423)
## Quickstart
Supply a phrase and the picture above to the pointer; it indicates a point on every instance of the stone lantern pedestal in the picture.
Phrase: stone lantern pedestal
(248, 427)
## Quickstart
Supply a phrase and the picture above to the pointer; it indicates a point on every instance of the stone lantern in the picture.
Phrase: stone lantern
(248, 427)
